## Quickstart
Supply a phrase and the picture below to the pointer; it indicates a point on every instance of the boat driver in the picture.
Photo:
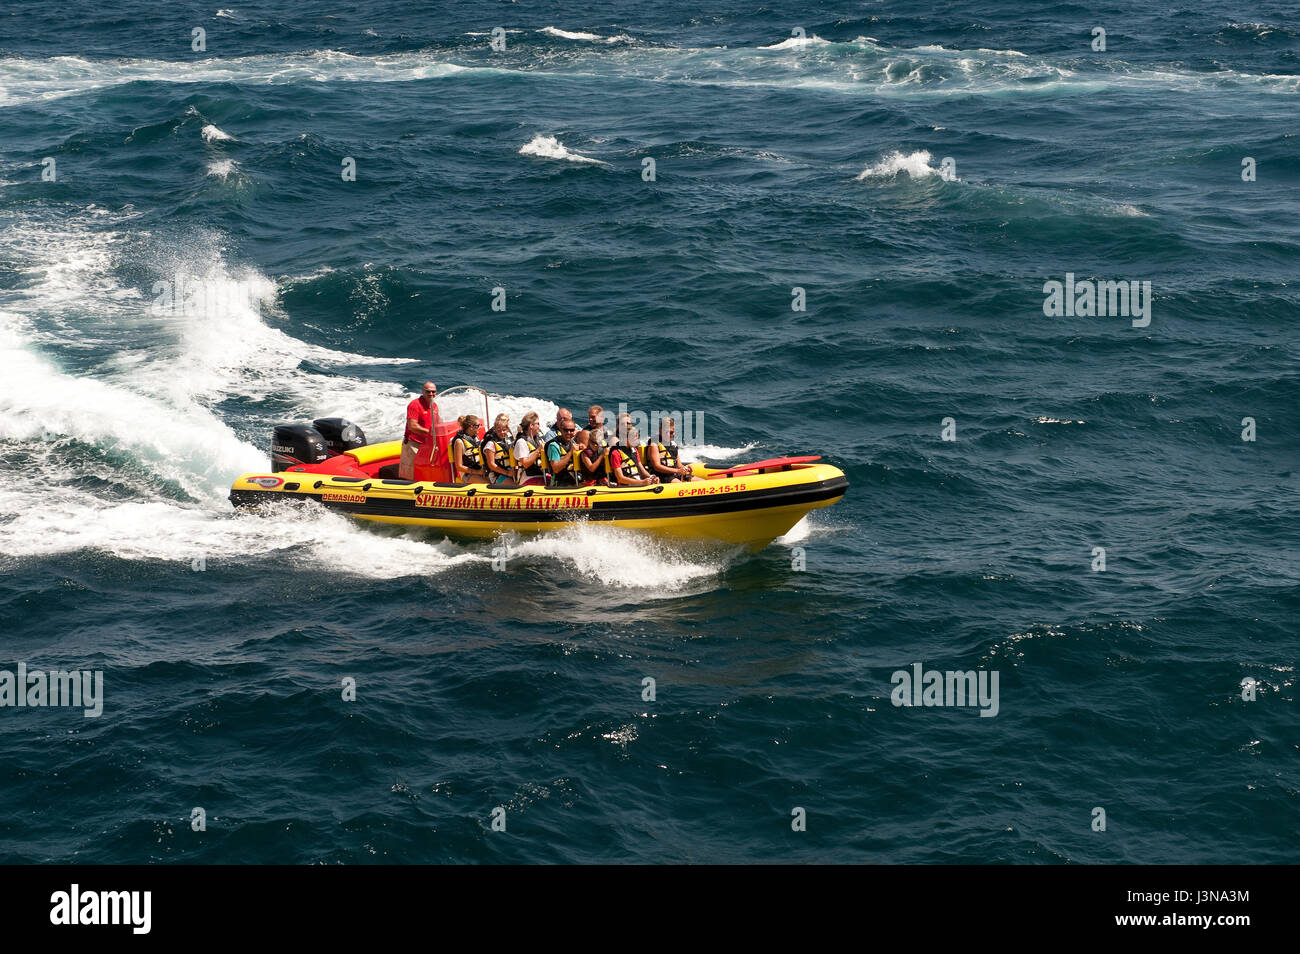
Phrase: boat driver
(421, 425)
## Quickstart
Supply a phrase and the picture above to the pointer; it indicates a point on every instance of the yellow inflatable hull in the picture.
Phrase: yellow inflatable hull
(747, 509)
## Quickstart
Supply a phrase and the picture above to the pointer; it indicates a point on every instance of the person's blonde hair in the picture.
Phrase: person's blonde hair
(528, 420)
(499, 419)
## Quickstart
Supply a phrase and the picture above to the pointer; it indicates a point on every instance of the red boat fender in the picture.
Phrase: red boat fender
(765, 465)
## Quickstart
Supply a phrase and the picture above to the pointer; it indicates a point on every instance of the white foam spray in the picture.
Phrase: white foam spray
(548, 147)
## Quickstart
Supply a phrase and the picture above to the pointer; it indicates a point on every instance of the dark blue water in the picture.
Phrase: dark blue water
(779, 163)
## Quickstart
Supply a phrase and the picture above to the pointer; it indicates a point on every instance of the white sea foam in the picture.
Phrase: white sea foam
(226, 348)
(916, 164)
(813, 525)
(186, 445)
(316, 273)
(219, 345)
(60, 519)
(589, 37)
(938, 48)
(34, 80)
(66, 264)
(712, 452)
(568, 35)
(222, 168)
(921, 71)
(796, 534)
(211, 133)
(797, 43)
(1258, 29)
(617, 557)
(548, 147)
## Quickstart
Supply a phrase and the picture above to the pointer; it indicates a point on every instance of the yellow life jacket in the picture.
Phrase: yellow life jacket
(668, 456)
(571, 474)
(537, 469)
(602, 468)
(627, 462)
(505, 454)
(470, 453)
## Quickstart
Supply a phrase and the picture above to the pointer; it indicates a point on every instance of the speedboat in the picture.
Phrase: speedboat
(329, 462)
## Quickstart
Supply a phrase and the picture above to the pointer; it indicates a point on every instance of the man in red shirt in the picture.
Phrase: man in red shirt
(421, 422)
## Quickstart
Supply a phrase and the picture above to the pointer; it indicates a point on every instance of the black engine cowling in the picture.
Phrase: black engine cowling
(340, 434)
(293, 444)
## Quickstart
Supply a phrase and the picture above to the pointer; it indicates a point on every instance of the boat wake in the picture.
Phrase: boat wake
(132, 454)
(620, 558)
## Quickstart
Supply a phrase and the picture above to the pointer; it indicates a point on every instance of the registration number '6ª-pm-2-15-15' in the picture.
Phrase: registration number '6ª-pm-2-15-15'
(693, 491)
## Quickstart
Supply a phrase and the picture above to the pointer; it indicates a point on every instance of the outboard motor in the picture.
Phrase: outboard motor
(293, 444)
(340, 434)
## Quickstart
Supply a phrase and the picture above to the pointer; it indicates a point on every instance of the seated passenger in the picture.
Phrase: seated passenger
(552, 432)
(625, 435)
(562, 453)
(593, 461)
(466, 455)
(596, 422)
(662, 457)
(582, 440)
(621, 428)
(497, 453)
(629, 437)
(637, 447)
(625, 465)
(528, 451)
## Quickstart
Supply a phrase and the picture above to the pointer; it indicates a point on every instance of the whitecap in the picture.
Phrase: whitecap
(221, 168)
(589, 37)
(548, 147)
(797, 43)
(916, 164)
